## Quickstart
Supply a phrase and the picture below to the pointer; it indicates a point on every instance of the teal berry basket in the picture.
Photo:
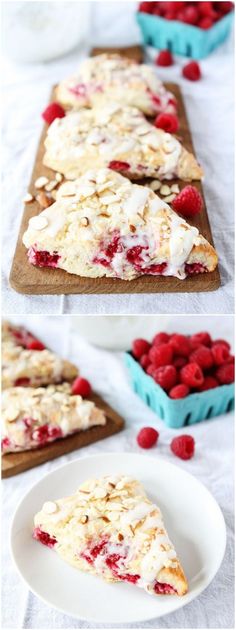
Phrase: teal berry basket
(185, 411)
(183, 39)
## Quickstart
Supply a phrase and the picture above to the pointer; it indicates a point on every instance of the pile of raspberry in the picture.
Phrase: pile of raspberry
(183, 365)
(200, 14)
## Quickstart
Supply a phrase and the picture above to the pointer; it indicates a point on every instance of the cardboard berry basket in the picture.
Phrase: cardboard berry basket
(185, 411)
(183, 39)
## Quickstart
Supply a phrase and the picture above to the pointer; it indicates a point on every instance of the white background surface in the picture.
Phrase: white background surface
(212, 464)
(209, 105)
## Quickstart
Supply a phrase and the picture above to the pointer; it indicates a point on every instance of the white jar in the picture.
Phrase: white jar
(116, 332)
(40, 31)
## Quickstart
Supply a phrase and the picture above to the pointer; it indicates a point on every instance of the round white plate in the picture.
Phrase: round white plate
(192, 517)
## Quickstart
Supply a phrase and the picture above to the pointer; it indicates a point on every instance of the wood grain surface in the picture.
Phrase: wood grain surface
(27, 279)
(15, 463)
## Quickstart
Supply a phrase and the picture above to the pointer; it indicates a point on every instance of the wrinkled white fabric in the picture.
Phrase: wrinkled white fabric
(212, 465)
(209, 105)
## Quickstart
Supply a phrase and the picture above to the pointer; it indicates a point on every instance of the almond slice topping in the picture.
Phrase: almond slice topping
(41, 182)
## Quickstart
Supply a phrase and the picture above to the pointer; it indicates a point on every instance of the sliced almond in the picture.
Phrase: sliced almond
(49, 507)
(51, 185)
(28, 198)
(99, 493)
(155, 184)
(84, 519)
(44, 200)
(41, 182)
(105, 519)
(59, 177)
(174, 188)
(12, 413)
(84, 221)
(132, 228)
(38, 222)
(165, 190)
(170, 198)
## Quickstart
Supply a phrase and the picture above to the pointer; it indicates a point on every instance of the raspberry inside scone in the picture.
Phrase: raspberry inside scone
(20, 336)
(33, 418)
(119, 79)
(119, 138)
(103, 225)
(111, 529)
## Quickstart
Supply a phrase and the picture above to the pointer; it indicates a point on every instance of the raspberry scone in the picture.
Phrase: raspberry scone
(118, 138)
(117, 78)
(27, 368)
(103, 225)
(20, 336)
(111, 529)
(35, 417)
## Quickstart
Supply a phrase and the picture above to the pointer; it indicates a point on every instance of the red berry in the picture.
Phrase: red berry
(221, 342)
(160, 338)
(151, 369)
(203, 357)
(205, 8)
(183, 446)
(224, 7)
(140, 347)
(231, 359)
(52, 111)
(180, 345)
(200, 339)
(188, 202)
(225, 374)
(192, 375)
(145, 361)
(220, 353)
(164, 58)
(161, 355)
(205, 23)
(209, 383)
(166, 376)
(179, 362)
(34, 344)
(117, 165)
(179, 391)
(147, 437)
(146, 7)
(190, 15)
(167, 122)
(192, 71)
(81, 387)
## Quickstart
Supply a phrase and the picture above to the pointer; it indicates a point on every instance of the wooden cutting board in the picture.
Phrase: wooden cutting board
(27, 279)
(15, 463)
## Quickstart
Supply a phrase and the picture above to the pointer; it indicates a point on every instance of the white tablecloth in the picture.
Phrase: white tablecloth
(212, 464)
(209, 104)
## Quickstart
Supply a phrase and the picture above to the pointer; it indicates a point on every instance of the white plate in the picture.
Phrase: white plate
(192, 517)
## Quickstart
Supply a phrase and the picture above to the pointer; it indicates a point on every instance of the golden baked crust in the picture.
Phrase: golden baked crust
(111, 529)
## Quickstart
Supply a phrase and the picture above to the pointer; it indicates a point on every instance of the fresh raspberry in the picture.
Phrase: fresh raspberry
(200, 339)
(225, 374)
(160, 338)
(188, 202)
(180, 345)
(224, 7)
(179, 391)
(34, 344)
(164, 58)
(161, 355)
(220, 353)
(209, 383)
(205, 23)
(191, 375)
(147, 437)
(192, 71)
(183, 446)
(222, 342)
(179, 362)
(52, 111)
(166, 376)
(167, 122)
(190, 15)
(151, 369)
(146, 7)
(203, 357)
(205, 9)
(117, 165)
(81, 387)
(145, 361)
(140, 347)
(231, 359)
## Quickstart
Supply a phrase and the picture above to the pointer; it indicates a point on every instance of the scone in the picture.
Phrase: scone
(119, 138)
(103, 225)
(110, 528)
(115, 78)
(35, 417)
(20, 336)
(27, 368)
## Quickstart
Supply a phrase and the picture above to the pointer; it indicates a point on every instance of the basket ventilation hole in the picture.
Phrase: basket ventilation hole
(209, 413)
(161, 412)
(169, 44)
(230, 405)
(135, 388)
(148, 41)
(188, 50)
(187, 419)
(148, 399)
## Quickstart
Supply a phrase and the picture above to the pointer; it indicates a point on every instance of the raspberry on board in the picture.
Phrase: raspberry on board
(140, 347)
(161, 355)
(192, 71)
(179, 391)
(192, 375)
(81, 387)
(164, 58)
(166, 376)
(183, 446)
(52, 111)
(203, 357)
(188, 202)
(147, 437)
(167, 122)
